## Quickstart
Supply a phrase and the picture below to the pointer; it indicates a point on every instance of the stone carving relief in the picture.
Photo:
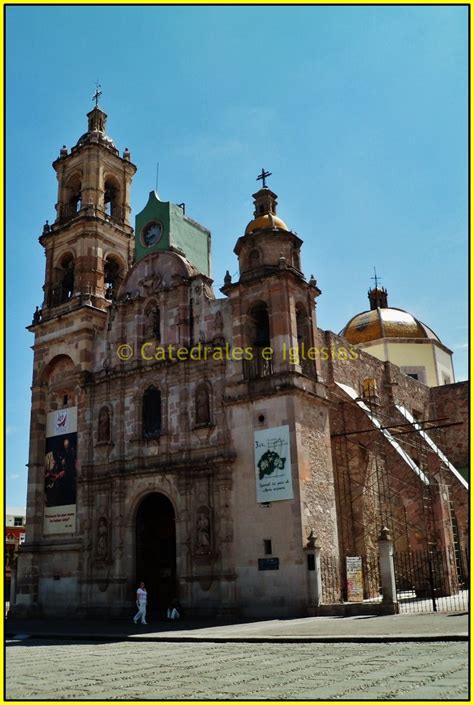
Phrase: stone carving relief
(152, 323)
(102, 539)
(203, 531)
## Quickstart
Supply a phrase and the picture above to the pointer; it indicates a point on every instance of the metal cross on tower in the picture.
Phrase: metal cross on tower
(263, 175)
(375, 278)
(97, 93)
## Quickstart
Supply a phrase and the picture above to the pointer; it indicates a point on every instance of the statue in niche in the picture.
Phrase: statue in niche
(102, 538)
(104, 425)
(203, 532)
(152, 324)
(218, 322)
(203, 411)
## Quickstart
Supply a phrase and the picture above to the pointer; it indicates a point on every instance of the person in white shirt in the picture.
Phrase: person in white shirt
(141, 604)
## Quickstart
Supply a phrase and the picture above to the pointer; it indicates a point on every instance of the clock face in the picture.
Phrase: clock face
(152, 233)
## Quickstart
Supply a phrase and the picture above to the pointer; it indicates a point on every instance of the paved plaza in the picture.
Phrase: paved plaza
(44, 669)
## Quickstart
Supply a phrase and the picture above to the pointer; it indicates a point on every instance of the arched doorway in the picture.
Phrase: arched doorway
(156, 551)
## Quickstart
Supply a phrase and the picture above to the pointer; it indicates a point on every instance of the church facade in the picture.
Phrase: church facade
(204, 442)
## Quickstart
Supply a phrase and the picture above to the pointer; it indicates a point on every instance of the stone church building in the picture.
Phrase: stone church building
(203, 440)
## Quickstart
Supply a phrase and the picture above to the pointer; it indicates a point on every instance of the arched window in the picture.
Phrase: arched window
(202, 405)
(151, 413)
(63, 290)
(259, 326)
(112, 277)
(73, 197)
(258, 337)
(112, 199)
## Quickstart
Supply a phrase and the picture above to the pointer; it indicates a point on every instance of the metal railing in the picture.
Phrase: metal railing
(431, 580)
(258, 367)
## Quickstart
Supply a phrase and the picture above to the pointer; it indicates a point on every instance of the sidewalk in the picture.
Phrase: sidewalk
(391, 628)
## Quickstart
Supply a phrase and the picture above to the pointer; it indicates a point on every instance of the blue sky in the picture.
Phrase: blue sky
(360, 113)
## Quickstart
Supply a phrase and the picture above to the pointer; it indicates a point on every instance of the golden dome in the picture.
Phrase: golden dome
(268, 220)
(385, 323)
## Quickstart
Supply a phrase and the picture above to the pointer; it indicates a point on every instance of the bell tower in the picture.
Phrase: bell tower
(273, 304)
(88, 249)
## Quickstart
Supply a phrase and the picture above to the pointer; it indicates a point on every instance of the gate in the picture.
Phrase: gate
(432, 581)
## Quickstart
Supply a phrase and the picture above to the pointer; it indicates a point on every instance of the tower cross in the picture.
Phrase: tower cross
(375, 278)
(263, 175)
(97, 93)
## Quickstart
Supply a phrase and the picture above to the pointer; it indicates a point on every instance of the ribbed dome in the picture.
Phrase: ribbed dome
(385, 323)
(95, 136)
(269, 220)
(264, 215)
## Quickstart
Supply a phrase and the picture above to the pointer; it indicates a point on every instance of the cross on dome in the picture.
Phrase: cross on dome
(262, 176)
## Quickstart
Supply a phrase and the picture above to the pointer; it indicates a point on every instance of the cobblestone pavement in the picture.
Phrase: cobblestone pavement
(159, 671)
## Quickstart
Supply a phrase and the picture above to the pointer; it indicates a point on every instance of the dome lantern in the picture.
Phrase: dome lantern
(378, 298)
(265, 207)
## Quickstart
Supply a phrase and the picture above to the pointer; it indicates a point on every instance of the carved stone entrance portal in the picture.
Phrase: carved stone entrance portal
(156, 551)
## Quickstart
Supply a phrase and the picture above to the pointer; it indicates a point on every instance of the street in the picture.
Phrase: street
(42, 669)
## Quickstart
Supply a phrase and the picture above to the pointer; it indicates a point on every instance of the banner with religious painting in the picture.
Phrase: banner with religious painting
(60, 472)
(273, 464)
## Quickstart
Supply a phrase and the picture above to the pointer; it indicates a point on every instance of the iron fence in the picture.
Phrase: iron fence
(431, 580)
(257, 367)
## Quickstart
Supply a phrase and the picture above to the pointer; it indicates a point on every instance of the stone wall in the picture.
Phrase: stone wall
(315, 465)
(452, 402)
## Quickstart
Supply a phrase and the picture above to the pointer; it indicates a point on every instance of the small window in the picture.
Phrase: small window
(369, 388)
(267, 546)
(418, 373)
(17, 521)
(151, 411)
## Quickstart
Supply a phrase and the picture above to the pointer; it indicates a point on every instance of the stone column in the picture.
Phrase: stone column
(387, 570)
(313, 571)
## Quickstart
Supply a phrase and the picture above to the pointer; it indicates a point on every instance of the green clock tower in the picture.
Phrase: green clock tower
(162, 226)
